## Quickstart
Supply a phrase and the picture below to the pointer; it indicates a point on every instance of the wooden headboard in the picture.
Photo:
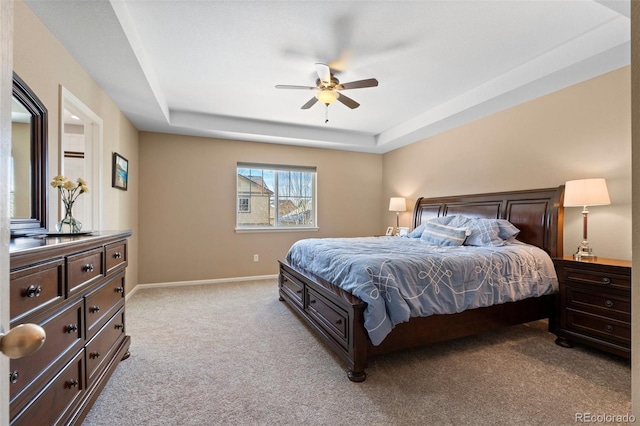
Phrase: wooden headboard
(538, 213)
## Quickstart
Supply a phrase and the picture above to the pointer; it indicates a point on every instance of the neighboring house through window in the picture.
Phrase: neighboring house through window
(275, 197)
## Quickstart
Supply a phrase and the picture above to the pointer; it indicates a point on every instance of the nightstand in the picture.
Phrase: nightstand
(594, 304)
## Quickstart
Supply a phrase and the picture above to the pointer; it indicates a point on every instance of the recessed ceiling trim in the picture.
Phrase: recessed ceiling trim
(128, 26)
(257, 129)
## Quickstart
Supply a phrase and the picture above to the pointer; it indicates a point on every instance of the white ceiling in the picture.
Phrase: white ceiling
(209, 68)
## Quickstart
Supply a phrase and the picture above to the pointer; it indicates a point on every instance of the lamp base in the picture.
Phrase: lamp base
(585, 254)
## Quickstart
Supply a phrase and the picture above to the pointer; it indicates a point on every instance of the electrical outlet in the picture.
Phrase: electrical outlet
(256, 258)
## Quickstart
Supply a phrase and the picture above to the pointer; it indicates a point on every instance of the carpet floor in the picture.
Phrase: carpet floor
(233, 354)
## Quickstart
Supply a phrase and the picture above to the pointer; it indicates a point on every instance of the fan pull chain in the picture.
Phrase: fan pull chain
(326, 114)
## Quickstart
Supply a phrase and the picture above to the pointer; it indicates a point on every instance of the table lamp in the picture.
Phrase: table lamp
(584, 193)
(397, 204)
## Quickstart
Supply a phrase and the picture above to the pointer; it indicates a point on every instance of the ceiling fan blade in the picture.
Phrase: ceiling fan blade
(360, 84)
(348, 101)
(309, 104)
(287, 86)
(324, 73)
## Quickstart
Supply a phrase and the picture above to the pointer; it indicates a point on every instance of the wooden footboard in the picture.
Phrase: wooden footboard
(338, 319)
(336, 315)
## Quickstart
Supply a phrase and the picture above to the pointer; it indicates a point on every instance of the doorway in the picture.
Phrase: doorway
(81, 136)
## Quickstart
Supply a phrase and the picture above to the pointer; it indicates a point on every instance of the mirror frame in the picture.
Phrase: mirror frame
(39, 164)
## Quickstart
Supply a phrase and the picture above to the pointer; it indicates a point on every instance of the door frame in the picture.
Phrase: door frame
(6, 86)
(94, 135)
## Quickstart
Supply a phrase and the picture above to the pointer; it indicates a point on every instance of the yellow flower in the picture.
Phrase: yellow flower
(69, 190)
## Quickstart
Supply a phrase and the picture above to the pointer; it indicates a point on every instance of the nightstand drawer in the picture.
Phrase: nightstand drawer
(581, 276)
(600, 327)
(610, 304)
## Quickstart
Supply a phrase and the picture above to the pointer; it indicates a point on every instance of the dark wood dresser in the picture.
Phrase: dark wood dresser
(74, 288)
(594, 304)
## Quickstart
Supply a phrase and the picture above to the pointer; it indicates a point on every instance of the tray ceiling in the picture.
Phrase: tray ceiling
(209, 68)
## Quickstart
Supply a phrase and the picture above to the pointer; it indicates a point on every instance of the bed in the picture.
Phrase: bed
(338, 316)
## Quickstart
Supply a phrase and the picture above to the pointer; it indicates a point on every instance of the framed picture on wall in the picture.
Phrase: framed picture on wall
(120, 174)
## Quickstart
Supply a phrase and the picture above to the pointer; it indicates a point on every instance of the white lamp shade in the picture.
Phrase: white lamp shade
(586, 192)
(397, 204)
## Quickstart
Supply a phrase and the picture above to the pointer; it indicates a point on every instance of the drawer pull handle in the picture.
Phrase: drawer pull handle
(88, 267)
(94, 309)
(71, 328)
(72, 383)
(298, 291)
(606, 280)
(608, 303)
(119, 289)
(285, 279)
(94, 355)
(33, 291)
(338, 321)
(610, 328)
(312, 301)
(13, 377)
(119, 326)
(117, 255)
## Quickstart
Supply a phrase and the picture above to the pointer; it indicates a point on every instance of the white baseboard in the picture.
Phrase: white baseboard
(197, 282)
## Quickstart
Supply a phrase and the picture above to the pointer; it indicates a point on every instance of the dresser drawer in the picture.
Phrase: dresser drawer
(116, 256)
(582, 276)
(35, 287)
(98, 350)
(292, 287)
(610, 304)
(99, 304)
(65, 337)
(332, 318)
(84, 268)
(600, 327)
(52, 404)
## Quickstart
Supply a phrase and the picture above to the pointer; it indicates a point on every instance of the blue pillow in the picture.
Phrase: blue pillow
(506, 230)
(417, 233)
(484, 232)
(443, 235)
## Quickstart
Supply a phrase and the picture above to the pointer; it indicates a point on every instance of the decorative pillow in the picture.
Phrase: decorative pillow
(443, 235)
(484, 232)
(417, 233)
(506, 230)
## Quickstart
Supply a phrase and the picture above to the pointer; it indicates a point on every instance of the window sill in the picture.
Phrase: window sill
(274, 229)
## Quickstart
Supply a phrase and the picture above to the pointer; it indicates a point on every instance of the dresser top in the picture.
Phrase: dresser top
(601, 261)
(37, 247)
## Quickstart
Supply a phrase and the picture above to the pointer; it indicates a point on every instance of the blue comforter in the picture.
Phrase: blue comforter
(400, 278)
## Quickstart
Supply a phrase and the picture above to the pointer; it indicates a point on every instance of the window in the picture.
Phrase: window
(243, 205)
(275, 197)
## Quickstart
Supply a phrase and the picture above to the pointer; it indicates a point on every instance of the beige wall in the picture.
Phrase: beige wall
(45, 65)
(188, 201)
(579, 132)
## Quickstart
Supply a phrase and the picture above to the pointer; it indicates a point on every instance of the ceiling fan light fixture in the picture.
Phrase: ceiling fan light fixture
(327, 96)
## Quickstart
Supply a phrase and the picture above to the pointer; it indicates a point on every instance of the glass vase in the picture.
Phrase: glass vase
(68, 224)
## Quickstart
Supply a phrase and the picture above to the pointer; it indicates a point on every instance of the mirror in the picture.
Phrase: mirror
(28, 166)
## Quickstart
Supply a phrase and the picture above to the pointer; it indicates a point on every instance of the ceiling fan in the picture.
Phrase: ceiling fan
(328, 88)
